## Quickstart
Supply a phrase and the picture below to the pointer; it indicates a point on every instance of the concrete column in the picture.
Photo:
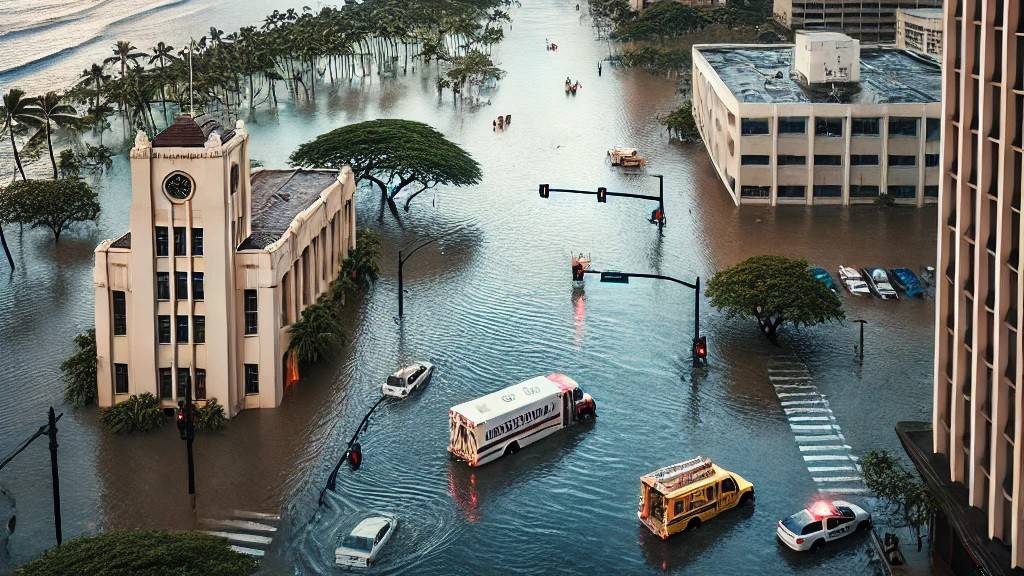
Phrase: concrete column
(847, 135)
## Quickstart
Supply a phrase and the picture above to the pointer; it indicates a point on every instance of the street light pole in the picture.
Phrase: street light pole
(51, 431)
(401, 263)
(190, 433)
(861, 348)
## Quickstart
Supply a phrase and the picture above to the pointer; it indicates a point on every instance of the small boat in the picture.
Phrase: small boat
(406, 379)
(907, 281)
(626, 157)
(853, 281)
(822, 275)
(879, 283)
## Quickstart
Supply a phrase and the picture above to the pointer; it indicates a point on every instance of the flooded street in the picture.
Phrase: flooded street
(491, 304)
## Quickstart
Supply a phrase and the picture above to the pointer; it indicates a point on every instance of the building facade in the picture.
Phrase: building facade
(977, 415)
(871, 21)
(776, 140)
(218, 261)
(920, 30)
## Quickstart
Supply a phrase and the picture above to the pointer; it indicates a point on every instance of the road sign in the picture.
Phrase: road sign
(616, 277)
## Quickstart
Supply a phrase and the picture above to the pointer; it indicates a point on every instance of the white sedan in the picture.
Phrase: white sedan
(363, 545)
(823, 521)
(406, 379)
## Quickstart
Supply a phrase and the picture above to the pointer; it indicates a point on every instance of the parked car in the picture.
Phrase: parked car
(406, 379)
(822, 275)
(853, 281)
(907, 281)
(822, 522)
(363, 545)
(878, 281)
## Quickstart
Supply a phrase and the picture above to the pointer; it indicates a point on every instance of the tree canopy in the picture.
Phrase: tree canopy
(79, 371)
(392, 154)
(680, 123)
(54, 204)
(156, 553)
(774, 290)
(905, 498)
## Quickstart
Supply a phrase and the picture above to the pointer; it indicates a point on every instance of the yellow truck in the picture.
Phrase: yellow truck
(685, 495)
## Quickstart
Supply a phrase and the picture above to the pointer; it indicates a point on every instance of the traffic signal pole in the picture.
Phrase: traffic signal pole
(602, 193)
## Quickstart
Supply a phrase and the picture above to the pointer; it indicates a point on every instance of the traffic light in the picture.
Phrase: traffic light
(602, 194)
(181, 421)
(355, 456)
(545, 191)
(700, 348)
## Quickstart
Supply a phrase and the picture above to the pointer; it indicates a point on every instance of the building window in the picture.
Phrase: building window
(183, 381)
(161, 241)
(120, 314)
(792, 125)
(864, 126)
(181, 333)
(862, 191)
(902, 126)
(755, 191)
(933, 128)
(754, 160)
(252, 379)
(197, 241)
(752, 127)
(165, 383)
(198, 292)
(832, 127)
(863, 159)
(792, 191)
(163, 286)
(828, 160)
(902, 160)
(200, 384)
(234, 177)
(120, 378)
(827, 191)
(931, 191)
(931, 160)
(181, 285)
(163, 329)
(791, 160)
(901, 191)
(179, 241)
(199, 329)
(251, 314)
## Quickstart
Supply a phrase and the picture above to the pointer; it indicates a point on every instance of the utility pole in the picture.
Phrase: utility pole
(860, 350)
(187, 432)
(51, 431)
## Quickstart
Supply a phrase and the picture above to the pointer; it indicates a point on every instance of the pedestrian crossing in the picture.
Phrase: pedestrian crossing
(247, 532)
(828, 458)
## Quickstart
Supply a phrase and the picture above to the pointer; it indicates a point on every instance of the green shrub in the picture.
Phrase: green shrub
(361, 265)
(79, 371)
(211, 417)
(136, 414)
(680, 123)
(149, 553)
(317, 333)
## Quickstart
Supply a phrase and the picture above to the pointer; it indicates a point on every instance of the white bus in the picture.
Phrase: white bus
(502, 422)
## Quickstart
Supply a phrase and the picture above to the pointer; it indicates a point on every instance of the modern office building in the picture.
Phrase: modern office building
(821, 122)
(216, 264)
(868, 21)
(920, 30)
(972, 455)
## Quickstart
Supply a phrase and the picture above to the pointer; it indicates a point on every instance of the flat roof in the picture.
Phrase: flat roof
(923, 12)
(277, 198)
(765, 74)
(513, 398)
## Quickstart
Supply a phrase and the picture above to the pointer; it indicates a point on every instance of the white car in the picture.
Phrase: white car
(405, 380)
(853, 281)
(823, 521)
(363, 545)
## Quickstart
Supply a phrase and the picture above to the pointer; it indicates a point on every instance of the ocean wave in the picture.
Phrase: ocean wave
(37, 25)
(49, 56)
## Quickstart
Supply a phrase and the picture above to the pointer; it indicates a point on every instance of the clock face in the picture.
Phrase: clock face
(178, 186)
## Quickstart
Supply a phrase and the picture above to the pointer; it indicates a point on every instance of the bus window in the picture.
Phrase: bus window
(709, 493)
(728, 485)
(679, 507)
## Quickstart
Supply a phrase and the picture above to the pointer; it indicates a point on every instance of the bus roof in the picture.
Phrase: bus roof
(514, 397)
(677, 490)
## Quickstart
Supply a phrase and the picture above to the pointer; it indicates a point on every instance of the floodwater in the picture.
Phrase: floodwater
(491, 304)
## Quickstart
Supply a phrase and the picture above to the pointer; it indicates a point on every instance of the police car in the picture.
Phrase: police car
(823, 521)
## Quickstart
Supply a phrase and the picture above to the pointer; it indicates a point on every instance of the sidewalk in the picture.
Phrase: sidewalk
(916, 563)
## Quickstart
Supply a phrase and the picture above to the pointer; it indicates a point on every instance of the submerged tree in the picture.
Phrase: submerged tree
(680, 123)
(392, 154)
(54, 204)
(54, 112)
(18, 111)
(79, 371)
(774, 290)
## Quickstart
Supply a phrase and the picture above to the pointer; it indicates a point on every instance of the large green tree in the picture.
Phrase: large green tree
(774, 290)
(905, 498)
(392, 154)
(55, 204)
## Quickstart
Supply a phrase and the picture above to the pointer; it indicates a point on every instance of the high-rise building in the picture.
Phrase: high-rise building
(869, 21)
(216, 265)
(972, 455)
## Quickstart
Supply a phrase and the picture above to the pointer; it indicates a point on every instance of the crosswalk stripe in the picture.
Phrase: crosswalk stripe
(821, 457)
(247, 551)
(823, 448)
(819, 438)
(792, 394)
(236, 537)
(837, 479)
(811, 418)
(813, 426)
(796, 402)
(795, 387)
(807, 410)
(843, 490)
(829, 468)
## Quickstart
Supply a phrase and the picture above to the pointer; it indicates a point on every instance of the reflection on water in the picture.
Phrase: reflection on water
(492, 305)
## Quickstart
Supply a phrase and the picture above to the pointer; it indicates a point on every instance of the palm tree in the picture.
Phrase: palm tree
(51, 110)
(19, 110)
(124, 52)
(162, 53)
(94, 75)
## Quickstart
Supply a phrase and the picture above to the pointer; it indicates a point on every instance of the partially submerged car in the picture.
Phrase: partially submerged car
(363, 545)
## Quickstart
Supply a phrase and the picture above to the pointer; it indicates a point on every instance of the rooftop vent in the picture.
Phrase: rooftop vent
(826, 57)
